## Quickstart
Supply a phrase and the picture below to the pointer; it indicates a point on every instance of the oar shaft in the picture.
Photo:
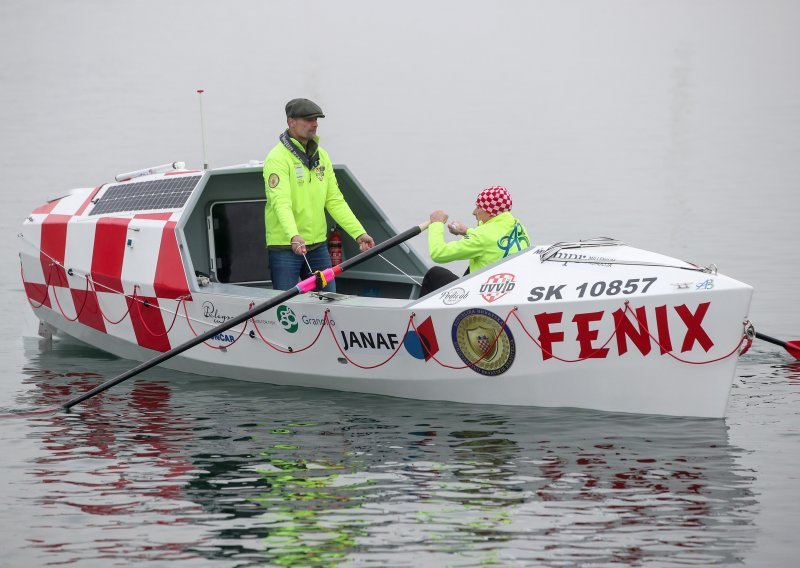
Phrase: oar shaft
(387, 244)
(769, 339)
(157, 360)
(288, 294)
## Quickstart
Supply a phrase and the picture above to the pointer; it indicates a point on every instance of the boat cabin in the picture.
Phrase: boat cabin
(223, 228)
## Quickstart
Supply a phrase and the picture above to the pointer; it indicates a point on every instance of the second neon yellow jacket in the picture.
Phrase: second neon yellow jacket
(497, 238)
(297, 198)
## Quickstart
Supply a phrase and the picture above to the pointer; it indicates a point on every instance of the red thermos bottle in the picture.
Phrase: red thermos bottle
(335, 246)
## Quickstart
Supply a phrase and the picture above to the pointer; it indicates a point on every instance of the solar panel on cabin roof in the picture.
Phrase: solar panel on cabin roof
(166, 193)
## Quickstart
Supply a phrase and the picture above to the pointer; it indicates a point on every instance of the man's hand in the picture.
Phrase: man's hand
(298, 245)
(457, 228)
(365, 242)
(438, 216)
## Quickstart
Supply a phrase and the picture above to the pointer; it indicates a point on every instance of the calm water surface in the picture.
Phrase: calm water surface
(673, 126)
(188, 469)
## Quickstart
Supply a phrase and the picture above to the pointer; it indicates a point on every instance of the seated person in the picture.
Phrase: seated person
(497, 235)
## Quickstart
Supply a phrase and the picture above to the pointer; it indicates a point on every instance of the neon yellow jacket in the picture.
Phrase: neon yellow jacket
(497, 238)
(298, 197)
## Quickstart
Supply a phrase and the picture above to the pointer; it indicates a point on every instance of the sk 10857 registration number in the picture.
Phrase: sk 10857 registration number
(594, 289)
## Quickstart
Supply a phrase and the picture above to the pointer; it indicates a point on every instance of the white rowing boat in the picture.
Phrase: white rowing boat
(137, 267)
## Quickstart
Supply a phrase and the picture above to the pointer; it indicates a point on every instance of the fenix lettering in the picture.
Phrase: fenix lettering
(369, 340)
(690, 332)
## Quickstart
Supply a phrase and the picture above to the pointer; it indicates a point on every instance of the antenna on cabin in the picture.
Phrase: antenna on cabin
(202, 128)
(150, 171)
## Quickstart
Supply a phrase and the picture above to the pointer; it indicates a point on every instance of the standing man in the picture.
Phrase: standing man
(300, 187)
(498, 235)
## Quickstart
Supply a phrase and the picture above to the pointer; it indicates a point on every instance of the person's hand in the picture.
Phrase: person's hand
(457, 228)
(365, 242)
(438, 216)
(298, 245)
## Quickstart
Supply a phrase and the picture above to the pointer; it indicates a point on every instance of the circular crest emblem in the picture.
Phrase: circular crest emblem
(273, 180)
(287, 319)
(481, 341)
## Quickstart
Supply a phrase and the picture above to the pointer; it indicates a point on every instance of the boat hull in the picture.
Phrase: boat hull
(377, 350)
(598, 324)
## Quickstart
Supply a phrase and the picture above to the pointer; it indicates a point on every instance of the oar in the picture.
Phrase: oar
(793, 347)
(306, 285)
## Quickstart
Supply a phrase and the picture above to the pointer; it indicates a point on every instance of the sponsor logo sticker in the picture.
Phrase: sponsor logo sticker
(422, 344)
(453, 296)
(497, 286)
(287, 319)
(369, 340)
(308, 320)
(481, 342)
(211, 312)
(705, 285)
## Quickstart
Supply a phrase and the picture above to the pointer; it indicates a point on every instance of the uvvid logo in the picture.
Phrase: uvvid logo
(497, 286)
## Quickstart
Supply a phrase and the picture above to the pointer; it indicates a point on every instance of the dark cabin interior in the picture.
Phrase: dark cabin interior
(225, 237)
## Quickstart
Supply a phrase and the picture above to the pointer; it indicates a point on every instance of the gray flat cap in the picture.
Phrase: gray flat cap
(303, 108)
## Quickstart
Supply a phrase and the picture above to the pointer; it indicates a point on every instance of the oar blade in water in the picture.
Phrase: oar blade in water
(793, 347)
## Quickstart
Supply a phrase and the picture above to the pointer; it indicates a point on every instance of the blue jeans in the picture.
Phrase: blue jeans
(288, 268)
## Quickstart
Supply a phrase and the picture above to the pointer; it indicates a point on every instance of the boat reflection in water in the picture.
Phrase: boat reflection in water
(203, 470)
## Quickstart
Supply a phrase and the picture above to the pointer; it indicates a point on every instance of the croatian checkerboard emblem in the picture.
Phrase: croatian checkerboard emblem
(483, 342)
(497, 286)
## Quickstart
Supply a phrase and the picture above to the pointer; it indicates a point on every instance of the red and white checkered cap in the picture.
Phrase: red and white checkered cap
(494, 200)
